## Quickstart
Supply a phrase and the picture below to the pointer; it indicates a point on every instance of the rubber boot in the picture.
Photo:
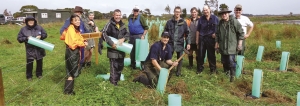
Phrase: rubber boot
(190, 62)
(69, 86)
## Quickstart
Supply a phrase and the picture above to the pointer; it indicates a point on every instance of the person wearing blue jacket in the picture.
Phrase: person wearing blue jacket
(138, 28)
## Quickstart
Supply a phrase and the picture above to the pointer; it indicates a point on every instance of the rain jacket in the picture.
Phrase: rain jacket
(228, 36)
(32, 52)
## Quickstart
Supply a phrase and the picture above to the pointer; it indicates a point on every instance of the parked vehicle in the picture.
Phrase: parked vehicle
(2, 19)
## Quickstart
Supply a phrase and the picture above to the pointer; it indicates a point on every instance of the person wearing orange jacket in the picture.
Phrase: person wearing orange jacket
(74, 41)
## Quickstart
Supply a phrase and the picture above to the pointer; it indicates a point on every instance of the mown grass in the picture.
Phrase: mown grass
(280, 87)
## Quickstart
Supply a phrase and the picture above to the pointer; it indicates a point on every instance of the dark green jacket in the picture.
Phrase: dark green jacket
(142, 20)
(228, 36)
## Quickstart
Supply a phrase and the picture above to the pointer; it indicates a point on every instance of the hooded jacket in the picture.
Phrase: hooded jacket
(32, 52)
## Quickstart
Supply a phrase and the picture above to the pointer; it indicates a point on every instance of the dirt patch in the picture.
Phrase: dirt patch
(5, 41)
(294, 69)
(273, 55)
(241, 88)
(272, 96)
(179, 88)
(244, 87)
(146, 94)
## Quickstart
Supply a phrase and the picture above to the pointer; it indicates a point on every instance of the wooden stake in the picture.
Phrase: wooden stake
(2, 102)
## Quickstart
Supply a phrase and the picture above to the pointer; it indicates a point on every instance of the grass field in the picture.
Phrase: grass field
(280, 87)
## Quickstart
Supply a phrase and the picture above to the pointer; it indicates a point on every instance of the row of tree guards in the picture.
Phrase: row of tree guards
(258, 73)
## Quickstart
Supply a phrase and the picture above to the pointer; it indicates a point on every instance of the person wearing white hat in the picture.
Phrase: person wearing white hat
(245, 22)
(138, 28)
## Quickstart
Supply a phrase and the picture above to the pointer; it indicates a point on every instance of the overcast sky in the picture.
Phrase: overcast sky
(156, 6)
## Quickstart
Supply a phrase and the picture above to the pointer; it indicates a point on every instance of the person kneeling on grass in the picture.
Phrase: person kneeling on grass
(33, 52)
(74, 41)
(160, 56)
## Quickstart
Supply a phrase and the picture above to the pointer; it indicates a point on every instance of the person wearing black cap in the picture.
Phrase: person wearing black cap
(160, 56)
(33, 52)
(229, 41)
(138, 29)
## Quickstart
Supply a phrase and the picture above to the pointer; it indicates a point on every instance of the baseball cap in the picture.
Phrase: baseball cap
(165, 34)
(136, 7)
(238, 6)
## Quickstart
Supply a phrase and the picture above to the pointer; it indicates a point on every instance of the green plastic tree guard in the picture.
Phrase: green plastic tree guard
(162, 80)
(125, 47)
(127, 61)
(40, 43)
(298, 99)
(260, 53)
(240, 65)
(284, 61)
(256, 84)
(174, 100)
(142, 50)
(278, 44)
(137, 49)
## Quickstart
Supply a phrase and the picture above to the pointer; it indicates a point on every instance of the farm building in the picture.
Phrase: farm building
(48, 15)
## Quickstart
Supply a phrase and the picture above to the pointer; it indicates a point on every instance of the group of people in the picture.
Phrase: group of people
(202, 34)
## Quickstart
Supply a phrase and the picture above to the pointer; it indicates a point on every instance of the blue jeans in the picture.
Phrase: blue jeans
(229, 63)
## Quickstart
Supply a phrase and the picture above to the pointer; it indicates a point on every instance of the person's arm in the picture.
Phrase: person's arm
(240, 33)
(43, 33)
(217, 38)
(144, 24)
(21, 37)
(155, 64)
(198, 31)
(106, 37)
(66, 25)
(216, 22)
(251, 25)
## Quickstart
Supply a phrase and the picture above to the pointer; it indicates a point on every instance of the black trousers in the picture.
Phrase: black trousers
(132, 53)
(206, 44)
(178, 69)
(29, 67)
(116, 67)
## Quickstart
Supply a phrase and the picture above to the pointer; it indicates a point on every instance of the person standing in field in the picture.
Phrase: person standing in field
(84, 28)
(115, 28)
(89, 48)
(245, 22)
(74, 41)
(138, 29)
(229, 40)
(192, 24)
(32, 29)
(205, 39)
(177, 29)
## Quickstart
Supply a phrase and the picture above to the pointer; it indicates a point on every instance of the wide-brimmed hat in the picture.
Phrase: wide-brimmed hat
(78, 9)
(224, 10)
